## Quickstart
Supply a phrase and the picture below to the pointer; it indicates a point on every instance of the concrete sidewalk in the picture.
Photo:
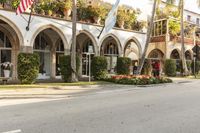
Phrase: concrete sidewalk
(21, 96)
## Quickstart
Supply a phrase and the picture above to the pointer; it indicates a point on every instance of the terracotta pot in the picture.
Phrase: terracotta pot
(121, 24)
(97, 20)
(67, 12)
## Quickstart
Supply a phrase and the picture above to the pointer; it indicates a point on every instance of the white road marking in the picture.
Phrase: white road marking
(13, 131)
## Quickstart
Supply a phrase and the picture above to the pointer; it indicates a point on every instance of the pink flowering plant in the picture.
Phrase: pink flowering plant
(6, 66)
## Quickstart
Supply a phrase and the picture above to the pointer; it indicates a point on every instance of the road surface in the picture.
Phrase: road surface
(170, 108)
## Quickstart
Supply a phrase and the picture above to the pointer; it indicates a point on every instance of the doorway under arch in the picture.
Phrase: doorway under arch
(109, 49)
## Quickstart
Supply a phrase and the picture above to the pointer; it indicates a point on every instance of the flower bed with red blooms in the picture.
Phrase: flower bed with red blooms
(138, 80)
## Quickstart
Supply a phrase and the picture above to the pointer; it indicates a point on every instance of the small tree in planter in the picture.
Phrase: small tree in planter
(122, 17)
(66, 7)
(98, 13)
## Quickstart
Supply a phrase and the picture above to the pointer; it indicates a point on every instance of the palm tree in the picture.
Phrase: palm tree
(184, 65)
(149, 31)
(73, 46)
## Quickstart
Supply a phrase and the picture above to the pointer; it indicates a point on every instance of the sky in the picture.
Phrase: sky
(146, 5)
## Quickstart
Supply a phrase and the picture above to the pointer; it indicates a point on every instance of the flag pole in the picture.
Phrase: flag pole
(29, 20)
(101, 32)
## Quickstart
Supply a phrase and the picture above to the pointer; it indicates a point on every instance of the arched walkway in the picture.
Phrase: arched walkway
(49, 46)
(156, 54)
(188, 55)
(9, 46)
(110, 49)
(85, 45)
(175, 54)
(55, 29)
(132, 46)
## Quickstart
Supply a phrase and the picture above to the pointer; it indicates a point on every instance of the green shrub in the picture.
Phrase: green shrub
(170, 67)
(65, 66)
(99, 67)
(28, 67)
(123, 66)
(197, 67)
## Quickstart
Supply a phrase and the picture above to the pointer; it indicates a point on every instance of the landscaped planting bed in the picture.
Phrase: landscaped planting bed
(138, 80)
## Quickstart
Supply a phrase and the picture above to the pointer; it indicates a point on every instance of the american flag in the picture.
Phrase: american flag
(24, 4)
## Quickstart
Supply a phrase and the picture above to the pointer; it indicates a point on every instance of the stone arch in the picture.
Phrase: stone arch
(136, 42)
(96, 47)
(54, 28)
(15, 39)
(156, 54)
(188, 54)
(117, 41)
(177, 53)
(15, 28)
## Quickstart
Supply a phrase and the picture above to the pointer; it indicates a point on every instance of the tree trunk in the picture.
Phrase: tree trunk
(149, 31)
(185, 69)
(73, 46)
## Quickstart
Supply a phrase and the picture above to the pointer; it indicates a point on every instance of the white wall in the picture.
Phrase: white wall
(63, 28)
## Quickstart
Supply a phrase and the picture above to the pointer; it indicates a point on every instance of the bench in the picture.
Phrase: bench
(4, 79)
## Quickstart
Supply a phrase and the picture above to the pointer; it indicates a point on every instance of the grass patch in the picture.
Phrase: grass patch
(47, 85)
(193, 77)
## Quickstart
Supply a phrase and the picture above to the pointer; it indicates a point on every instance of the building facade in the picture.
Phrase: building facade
(50, 38)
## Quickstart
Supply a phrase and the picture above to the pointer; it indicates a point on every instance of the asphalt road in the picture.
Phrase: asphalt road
(172, 108)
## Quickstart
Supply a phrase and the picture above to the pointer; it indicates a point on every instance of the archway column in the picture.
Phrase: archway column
(53, 64)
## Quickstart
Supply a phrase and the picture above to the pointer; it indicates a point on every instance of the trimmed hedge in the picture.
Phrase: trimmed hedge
(170, 67)
(99, 67)
(197, 67)
(28, 67)
(123, 65)
(65, 66)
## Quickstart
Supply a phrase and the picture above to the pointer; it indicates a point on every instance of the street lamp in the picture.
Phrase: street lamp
(90, 51)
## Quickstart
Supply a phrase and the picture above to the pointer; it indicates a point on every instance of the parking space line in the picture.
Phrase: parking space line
(14, 131)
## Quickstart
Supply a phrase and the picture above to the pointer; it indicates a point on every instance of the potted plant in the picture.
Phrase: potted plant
(66, 7)
(122, 16)
(15, 4)
(6, 66)
(98, 13)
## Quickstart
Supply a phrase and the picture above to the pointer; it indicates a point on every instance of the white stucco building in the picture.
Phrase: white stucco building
(50, 37)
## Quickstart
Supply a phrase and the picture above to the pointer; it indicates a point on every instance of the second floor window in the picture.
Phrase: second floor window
(188, 18)
(197, 21)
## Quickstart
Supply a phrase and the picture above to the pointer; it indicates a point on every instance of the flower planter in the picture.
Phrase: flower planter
(6, 73)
